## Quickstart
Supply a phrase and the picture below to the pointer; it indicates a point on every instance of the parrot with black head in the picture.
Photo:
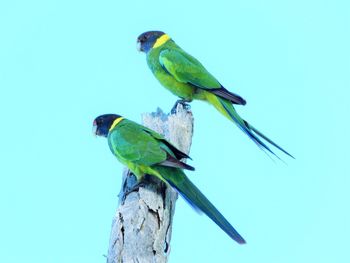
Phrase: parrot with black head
(144, 151)
(188, 79)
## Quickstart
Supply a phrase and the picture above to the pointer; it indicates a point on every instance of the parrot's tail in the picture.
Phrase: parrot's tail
(226, 108)
(178, 180)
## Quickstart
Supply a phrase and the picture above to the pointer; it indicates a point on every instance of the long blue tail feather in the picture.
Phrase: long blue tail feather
(251, 131)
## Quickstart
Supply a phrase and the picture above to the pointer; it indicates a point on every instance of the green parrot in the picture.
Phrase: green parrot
(187, 78)
(144, 151)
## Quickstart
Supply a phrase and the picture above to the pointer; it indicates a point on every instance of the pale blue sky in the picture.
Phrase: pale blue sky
(62, 63)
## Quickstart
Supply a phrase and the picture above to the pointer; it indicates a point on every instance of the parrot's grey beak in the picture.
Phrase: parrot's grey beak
(138, 46)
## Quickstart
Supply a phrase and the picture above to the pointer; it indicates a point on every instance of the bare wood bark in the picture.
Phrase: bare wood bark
(142, 225)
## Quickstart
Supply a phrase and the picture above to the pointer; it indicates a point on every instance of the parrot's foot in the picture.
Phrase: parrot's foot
(135, 188)
(135, 184)
(184, 104)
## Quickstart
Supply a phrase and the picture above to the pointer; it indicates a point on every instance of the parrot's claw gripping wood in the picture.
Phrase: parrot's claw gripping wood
(184, 104)
(134, 186)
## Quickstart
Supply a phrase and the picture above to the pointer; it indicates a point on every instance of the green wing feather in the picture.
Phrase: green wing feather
(128, 141)
(177, 179)
(186, 69)
(135, 143)
(169, 147)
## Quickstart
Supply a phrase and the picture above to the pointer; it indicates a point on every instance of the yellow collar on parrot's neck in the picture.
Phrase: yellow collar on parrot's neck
(161, 40)
(115, 123)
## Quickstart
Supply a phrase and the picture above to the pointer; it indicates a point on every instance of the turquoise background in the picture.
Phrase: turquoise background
(62, 63)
